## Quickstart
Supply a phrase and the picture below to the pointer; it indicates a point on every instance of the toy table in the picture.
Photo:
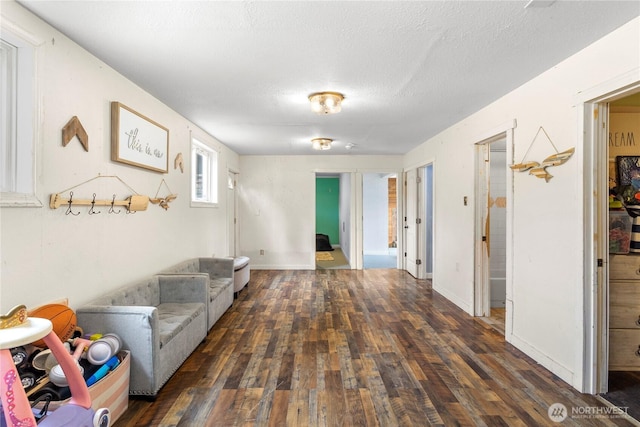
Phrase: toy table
(17, 329)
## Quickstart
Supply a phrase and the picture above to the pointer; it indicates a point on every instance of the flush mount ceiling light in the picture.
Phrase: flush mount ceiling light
(326, 102)
(321, 143)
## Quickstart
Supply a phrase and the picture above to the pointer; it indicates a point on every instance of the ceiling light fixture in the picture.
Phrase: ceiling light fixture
(321, 143)
(326, 102)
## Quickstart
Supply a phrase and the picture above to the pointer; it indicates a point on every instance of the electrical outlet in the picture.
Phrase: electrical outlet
(261, 251)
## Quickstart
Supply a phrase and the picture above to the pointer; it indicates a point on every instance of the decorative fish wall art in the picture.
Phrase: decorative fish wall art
(539, 170)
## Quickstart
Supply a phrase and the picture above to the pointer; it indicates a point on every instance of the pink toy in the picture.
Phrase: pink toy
(17, 329)
(57, 374)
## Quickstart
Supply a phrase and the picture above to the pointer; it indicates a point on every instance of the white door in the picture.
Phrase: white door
(428, 221)
(411, 223)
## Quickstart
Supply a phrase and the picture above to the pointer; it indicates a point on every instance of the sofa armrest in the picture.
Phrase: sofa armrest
(138, 328)
(184, 288)
(217, 268)
(132, 323)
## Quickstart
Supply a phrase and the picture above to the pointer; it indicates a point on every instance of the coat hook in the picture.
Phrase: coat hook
(111, 209)
(69, 211)
(92, 211)
(129, 206)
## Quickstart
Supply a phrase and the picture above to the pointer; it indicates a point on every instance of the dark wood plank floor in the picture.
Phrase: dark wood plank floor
(355, 348)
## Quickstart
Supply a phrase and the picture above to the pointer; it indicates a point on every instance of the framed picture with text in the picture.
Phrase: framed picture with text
(137, 140)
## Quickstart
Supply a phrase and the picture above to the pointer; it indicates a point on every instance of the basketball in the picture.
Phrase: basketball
(61, 316)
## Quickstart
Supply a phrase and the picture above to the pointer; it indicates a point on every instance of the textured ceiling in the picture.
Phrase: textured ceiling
(242, 71)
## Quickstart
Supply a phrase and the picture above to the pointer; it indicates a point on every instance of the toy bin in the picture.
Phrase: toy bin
(110, 392)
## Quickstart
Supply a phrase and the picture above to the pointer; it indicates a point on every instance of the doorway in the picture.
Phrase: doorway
(329, 252)
(335, 230)
(611, 125)
(491, 207)
(380, 220)
(493, 228)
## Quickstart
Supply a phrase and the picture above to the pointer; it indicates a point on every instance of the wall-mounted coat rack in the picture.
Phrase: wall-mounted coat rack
(132, 204)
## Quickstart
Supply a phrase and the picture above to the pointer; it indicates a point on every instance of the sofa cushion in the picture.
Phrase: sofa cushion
(174, 317)
(217, 286)
(240, 262)
(189, 266)
(143, 293)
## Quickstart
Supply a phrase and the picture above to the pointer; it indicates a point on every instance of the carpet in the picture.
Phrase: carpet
(624, 392)
(324, 256)
(337, 261)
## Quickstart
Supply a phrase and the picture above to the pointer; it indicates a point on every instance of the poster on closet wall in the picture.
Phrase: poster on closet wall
(624, 137)
(137, 140)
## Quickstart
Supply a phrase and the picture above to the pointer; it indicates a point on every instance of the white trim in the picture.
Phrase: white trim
(29, 119)
(283, 266)
(212, 200)
(491, 134)
(18, 200)
(609, 90)
(20, 32)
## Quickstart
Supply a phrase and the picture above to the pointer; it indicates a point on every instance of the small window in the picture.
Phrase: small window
(17, 123)
(204, 175)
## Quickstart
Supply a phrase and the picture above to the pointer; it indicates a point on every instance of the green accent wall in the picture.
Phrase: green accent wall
(328, 208)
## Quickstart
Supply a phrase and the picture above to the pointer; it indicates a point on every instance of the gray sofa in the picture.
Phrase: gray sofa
(220, 274)
(161, 320)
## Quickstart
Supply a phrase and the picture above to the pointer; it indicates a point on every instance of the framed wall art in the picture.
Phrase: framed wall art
(628, 170)
(137, 140)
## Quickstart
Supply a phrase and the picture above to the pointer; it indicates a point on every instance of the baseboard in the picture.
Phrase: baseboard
(556, 368)
(282, 267)
(454, 299)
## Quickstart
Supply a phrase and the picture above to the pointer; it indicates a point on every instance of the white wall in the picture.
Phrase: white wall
(548, 217)
(277, 204)
(48, 255)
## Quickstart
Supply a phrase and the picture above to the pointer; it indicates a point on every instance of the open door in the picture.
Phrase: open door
(482, 306)
(494, 228)
(411, 223)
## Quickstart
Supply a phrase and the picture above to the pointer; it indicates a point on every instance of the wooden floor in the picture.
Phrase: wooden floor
(355, 348)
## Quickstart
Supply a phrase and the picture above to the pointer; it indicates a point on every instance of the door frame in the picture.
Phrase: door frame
(232, 214)
(355, 228)
(592, 106)
(481, 285)
(356, 215)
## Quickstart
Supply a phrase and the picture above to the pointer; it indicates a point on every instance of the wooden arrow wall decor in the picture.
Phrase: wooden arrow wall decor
(74, 128)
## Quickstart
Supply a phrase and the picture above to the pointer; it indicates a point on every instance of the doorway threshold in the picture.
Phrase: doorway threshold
(496, 320)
